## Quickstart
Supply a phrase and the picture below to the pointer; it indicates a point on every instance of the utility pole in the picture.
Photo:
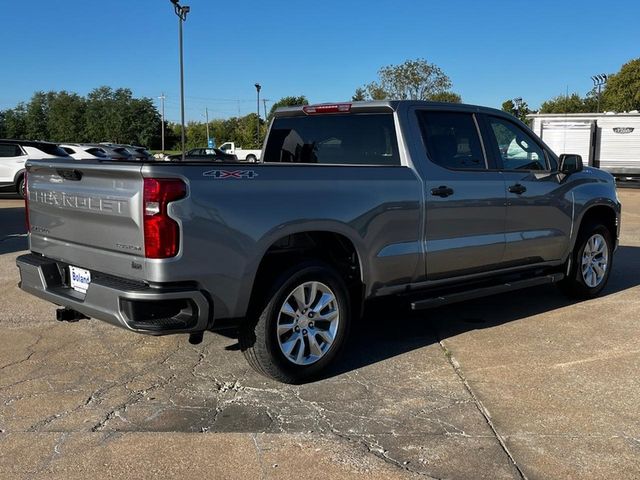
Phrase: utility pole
(599, 81)
(181, 12)
(264, 102)
(258, 87)
(206, 114)
(162, 97)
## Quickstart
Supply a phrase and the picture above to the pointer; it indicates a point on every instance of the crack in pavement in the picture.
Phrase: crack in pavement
(254, 437)
(136, 397)
(374, 448)
(481, 408)
(28, 357)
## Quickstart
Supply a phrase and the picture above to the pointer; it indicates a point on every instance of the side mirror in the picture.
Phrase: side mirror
(570, 163)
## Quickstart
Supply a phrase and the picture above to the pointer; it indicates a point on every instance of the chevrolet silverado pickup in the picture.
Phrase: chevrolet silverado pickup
(432, 203)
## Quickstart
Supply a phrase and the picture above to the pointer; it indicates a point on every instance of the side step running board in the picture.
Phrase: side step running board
(446, 299)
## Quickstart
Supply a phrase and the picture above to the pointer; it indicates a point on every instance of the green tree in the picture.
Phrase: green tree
(15, 122)
(196, 135)
(143, 122)
(101, 121)
(449, 97)
(359, 95)
(510, 107)
(246, 132)
(573, 103)
(622, 91)
(411, 80)
(290, 101)
(110, 115)
(66, 121)
(37, 114)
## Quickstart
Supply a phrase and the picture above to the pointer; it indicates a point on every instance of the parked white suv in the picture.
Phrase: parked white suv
(14, 154)
(85, 152)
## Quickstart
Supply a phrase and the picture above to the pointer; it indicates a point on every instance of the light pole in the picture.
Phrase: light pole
(517, 102)
(258, 87)
(162, 97)
(181, 12)
(599, 81)
(264, 103)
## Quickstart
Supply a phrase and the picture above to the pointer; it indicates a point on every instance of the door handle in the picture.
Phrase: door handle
(442, 191)
(517, 188)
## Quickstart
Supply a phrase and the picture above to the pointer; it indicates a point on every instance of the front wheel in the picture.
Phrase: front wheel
(301, 326)
(591, 263)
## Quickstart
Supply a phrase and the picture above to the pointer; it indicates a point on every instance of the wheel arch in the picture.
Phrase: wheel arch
(604, 213)
(19, 174)
(331, 246)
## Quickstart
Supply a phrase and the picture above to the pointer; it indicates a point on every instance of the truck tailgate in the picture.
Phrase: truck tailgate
(87, 214)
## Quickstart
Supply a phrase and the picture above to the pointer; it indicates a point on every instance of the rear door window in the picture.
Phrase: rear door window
(9, 150)
(98, 152)
(350, 139)
(51, 149)
(452, 140)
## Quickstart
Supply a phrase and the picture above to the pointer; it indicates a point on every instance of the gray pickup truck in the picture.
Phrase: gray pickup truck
(429, 202)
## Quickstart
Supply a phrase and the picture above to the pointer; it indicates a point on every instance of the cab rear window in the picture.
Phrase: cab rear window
(350, 139)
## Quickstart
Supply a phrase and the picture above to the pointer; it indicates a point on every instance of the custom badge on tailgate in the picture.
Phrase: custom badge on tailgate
(230, 174)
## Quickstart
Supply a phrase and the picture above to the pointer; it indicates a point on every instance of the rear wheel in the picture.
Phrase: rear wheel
(251, 158)
(21, 187)
(591, 262)
(301, 327)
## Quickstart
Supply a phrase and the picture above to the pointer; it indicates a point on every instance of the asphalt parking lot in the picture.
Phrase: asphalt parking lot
(525, 385)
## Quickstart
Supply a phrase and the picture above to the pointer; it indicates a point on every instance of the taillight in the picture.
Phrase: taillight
(26, 202)
(161, 232)
(327, 108)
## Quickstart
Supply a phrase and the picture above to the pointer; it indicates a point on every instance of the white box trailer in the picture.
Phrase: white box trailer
(610, 141)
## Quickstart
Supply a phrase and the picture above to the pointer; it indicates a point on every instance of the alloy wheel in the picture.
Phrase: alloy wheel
(308, 323)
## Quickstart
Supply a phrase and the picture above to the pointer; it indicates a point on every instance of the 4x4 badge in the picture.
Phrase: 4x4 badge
(224, 174)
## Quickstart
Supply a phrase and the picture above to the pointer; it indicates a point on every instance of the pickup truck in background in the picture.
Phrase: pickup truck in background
(351, 202)
(242, 154)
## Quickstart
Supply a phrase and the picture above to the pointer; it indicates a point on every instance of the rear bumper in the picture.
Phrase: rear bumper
(132, 305)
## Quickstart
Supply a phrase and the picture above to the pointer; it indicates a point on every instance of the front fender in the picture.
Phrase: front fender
(591, 194)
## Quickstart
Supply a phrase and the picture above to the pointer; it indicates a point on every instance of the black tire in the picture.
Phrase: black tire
(251, 158)
(20, 187)
(258, 336)
(575, 285)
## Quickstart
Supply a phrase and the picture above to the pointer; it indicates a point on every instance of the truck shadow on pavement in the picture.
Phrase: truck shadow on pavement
(389, 329)
(12, 230)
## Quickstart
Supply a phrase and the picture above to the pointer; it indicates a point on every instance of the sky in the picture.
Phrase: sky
(492, 50)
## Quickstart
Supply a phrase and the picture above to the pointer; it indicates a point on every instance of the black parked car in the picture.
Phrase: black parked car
(204, 155)
(113, 151)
